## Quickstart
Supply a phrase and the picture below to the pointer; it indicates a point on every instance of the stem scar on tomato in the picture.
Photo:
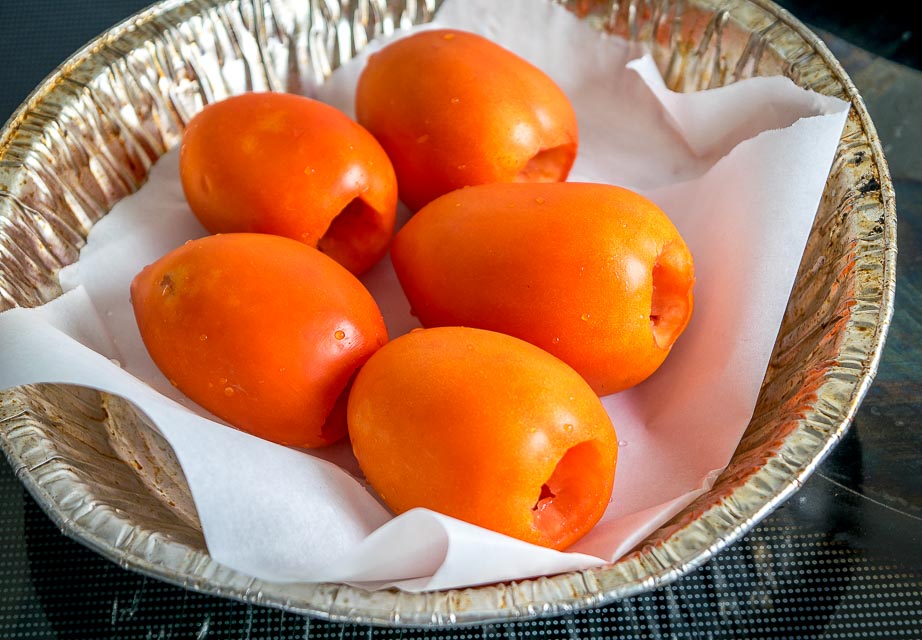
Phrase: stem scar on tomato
(671, 302)
(548, 165)
(166, 285)
(565, 491)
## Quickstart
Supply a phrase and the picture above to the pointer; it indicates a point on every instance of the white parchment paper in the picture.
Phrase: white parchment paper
(739, 169)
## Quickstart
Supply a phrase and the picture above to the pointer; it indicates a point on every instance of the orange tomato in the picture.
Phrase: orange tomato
(453, 109)
(486, 428)
(595, 274)
(291, 166)
(262, 331)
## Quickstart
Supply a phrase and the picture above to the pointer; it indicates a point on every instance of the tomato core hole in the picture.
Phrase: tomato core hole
(671, 306)
(571, 495)
(353, 236)
(548, 165)
(546, 494)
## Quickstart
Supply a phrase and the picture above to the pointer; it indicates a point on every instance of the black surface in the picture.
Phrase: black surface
(892, 30)
(841, 559)
(37, 36)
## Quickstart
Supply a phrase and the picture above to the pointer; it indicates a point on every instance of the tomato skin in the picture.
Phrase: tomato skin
(486, 428)
(261, 330)
(287, 165)
(453, 109)
(595, 274)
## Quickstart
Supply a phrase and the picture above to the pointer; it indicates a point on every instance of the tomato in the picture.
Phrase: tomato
(595, 274)
(263, 331)
(486, 428)
(291, 166)
(453, 109)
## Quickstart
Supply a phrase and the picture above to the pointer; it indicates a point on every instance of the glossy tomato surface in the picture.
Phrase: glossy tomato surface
(486, 428)
(261, 330)
(287, 165)
(595, 274)
(454, 109)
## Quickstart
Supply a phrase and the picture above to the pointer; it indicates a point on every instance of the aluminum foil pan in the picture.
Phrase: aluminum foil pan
(89, 134)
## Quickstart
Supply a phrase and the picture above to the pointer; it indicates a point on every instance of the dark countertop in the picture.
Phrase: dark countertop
(841, 559)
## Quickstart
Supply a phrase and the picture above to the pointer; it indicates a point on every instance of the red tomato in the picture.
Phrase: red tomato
(262, 331)
(287, 165)
(595, 274)
(453, 109)
(486, 428)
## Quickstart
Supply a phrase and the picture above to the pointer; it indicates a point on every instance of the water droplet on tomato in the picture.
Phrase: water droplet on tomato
(339, 334)
(228, 391)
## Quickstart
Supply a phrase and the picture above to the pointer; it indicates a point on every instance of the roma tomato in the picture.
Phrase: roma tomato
(486, 428)
(453, 109)
(595, 274)
(261, 330)
(291, 166)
